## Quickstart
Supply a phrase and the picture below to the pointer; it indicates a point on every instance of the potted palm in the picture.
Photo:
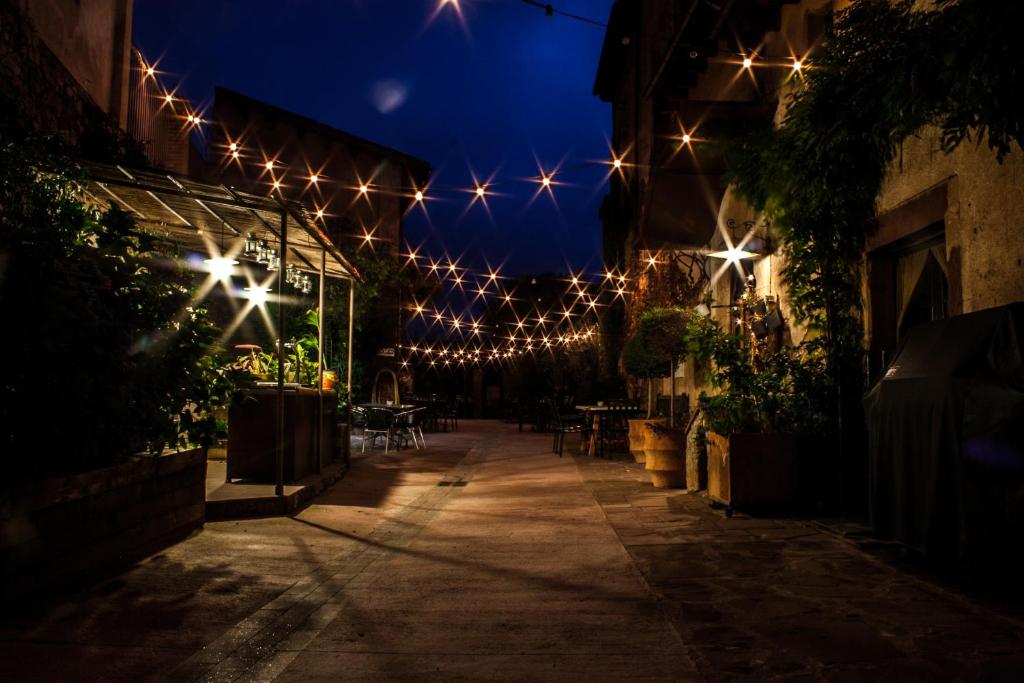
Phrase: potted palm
(666, 333)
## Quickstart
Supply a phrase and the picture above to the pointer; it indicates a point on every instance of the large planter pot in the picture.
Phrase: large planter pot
(665, 456)
(636, 437)
(65, 529)
(751, 471)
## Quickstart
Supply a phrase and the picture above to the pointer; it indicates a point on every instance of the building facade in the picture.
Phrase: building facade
(674, 72)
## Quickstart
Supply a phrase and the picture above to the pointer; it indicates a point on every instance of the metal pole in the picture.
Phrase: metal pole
(279, 464)
(320, 363)
(348, 372)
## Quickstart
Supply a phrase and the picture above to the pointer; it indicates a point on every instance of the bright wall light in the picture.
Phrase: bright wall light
(733, 255)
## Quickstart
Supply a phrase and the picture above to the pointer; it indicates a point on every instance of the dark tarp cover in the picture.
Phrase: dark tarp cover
(945, 425)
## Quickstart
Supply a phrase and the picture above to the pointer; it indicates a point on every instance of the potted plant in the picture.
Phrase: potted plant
(665, 331)
(641, 360)
(753, 422)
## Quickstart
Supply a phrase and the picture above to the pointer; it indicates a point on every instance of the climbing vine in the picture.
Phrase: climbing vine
(886, 69)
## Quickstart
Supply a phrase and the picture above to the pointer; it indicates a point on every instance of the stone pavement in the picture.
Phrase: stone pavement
(485, 557)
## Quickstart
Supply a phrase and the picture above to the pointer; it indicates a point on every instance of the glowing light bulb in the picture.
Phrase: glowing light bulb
(233, 146)
(546, 181)
(270, 165)
(797, 65)
(319, 213)
(314, 179)
(686, 138)
(481, 190)
(277, 184)
(168, 98)
(363, 189)
(419, 195)
(257, 295)
(220, 267)
(617, 163)
(747, 62)
(234, 154)
(150, 71)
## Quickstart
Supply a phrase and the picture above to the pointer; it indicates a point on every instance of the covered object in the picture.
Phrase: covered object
(946, 430)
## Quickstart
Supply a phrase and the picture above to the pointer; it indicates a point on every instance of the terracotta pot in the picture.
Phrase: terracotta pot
(666, 456)
(753, 470)
(636, 437)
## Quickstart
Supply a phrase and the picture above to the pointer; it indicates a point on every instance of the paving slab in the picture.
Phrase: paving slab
(485, 557)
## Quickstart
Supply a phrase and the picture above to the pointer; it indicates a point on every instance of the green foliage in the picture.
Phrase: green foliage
(383, 278)
(887, 69)
(784, 392)
(667, 331)
(104, 354)
(639, 359)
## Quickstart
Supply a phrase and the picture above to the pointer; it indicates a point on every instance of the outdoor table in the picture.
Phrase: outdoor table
(394, 408)
(594, 412)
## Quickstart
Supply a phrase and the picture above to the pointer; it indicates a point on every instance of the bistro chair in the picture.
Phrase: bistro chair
(379, 423)
(447, 416)
(613, 428)
(562, 424)
(407, 426)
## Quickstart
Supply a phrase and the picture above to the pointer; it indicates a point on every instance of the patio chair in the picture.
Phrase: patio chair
(448, 416)
(562, 424)
(614, 428)
(407, 426)
(379, 423)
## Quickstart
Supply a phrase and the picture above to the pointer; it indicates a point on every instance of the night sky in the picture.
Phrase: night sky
(486, 95)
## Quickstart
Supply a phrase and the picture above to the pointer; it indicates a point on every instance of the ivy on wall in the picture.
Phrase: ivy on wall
(886, 69)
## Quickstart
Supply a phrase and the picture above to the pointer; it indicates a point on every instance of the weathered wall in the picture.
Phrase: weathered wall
(92, 38)
(983, 219)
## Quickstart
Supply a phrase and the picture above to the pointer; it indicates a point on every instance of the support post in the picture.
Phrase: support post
(279, 456)
(320, 364)
(348, 372)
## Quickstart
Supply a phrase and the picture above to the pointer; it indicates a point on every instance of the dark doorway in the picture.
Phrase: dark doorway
(908, 286)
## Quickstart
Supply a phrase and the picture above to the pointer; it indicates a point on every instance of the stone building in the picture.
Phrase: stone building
(363, 188)
(673, 71)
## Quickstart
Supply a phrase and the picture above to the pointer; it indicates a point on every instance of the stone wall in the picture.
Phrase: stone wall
(983, 217)
(45, 96)
(70, 528)
(92, 38)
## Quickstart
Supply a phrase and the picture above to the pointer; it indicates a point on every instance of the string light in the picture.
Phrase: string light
(419, 195)
(797, 65)
(747, 62)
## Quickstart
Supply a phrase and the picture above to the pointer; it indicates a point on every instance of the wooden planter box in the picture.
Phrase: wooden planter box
(751, 471)
(69, 529)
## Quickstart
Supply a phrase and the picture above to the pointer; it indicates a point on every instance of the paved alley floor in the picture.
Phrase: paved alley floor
(486, 557)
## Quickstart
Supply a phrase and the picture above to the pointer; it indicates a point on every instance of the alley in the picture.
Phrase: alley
(485, 557)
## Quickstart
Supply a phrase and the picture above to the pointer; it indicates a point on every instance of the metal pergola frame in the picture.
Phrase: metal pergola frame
(194, 213)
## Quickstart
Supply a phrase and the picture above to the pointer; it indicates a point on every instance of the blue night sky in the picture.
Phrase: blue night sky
(486, 95)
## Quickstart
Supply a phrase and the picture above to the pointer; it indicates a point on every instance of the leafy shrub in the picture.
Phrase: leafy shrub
(787, 391)
(104, 354)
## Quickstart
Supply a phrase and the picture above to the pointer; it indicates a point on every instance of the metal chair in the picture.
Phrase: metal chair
(379, 422)
(562, 424)
(407, 426)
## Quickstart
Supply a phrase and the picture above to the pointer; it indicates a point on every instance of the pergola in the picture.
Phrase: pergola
(195, 214)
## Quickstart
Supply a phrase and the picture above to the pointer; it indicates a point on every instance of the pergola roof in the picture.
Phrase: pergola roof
(195, 214)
